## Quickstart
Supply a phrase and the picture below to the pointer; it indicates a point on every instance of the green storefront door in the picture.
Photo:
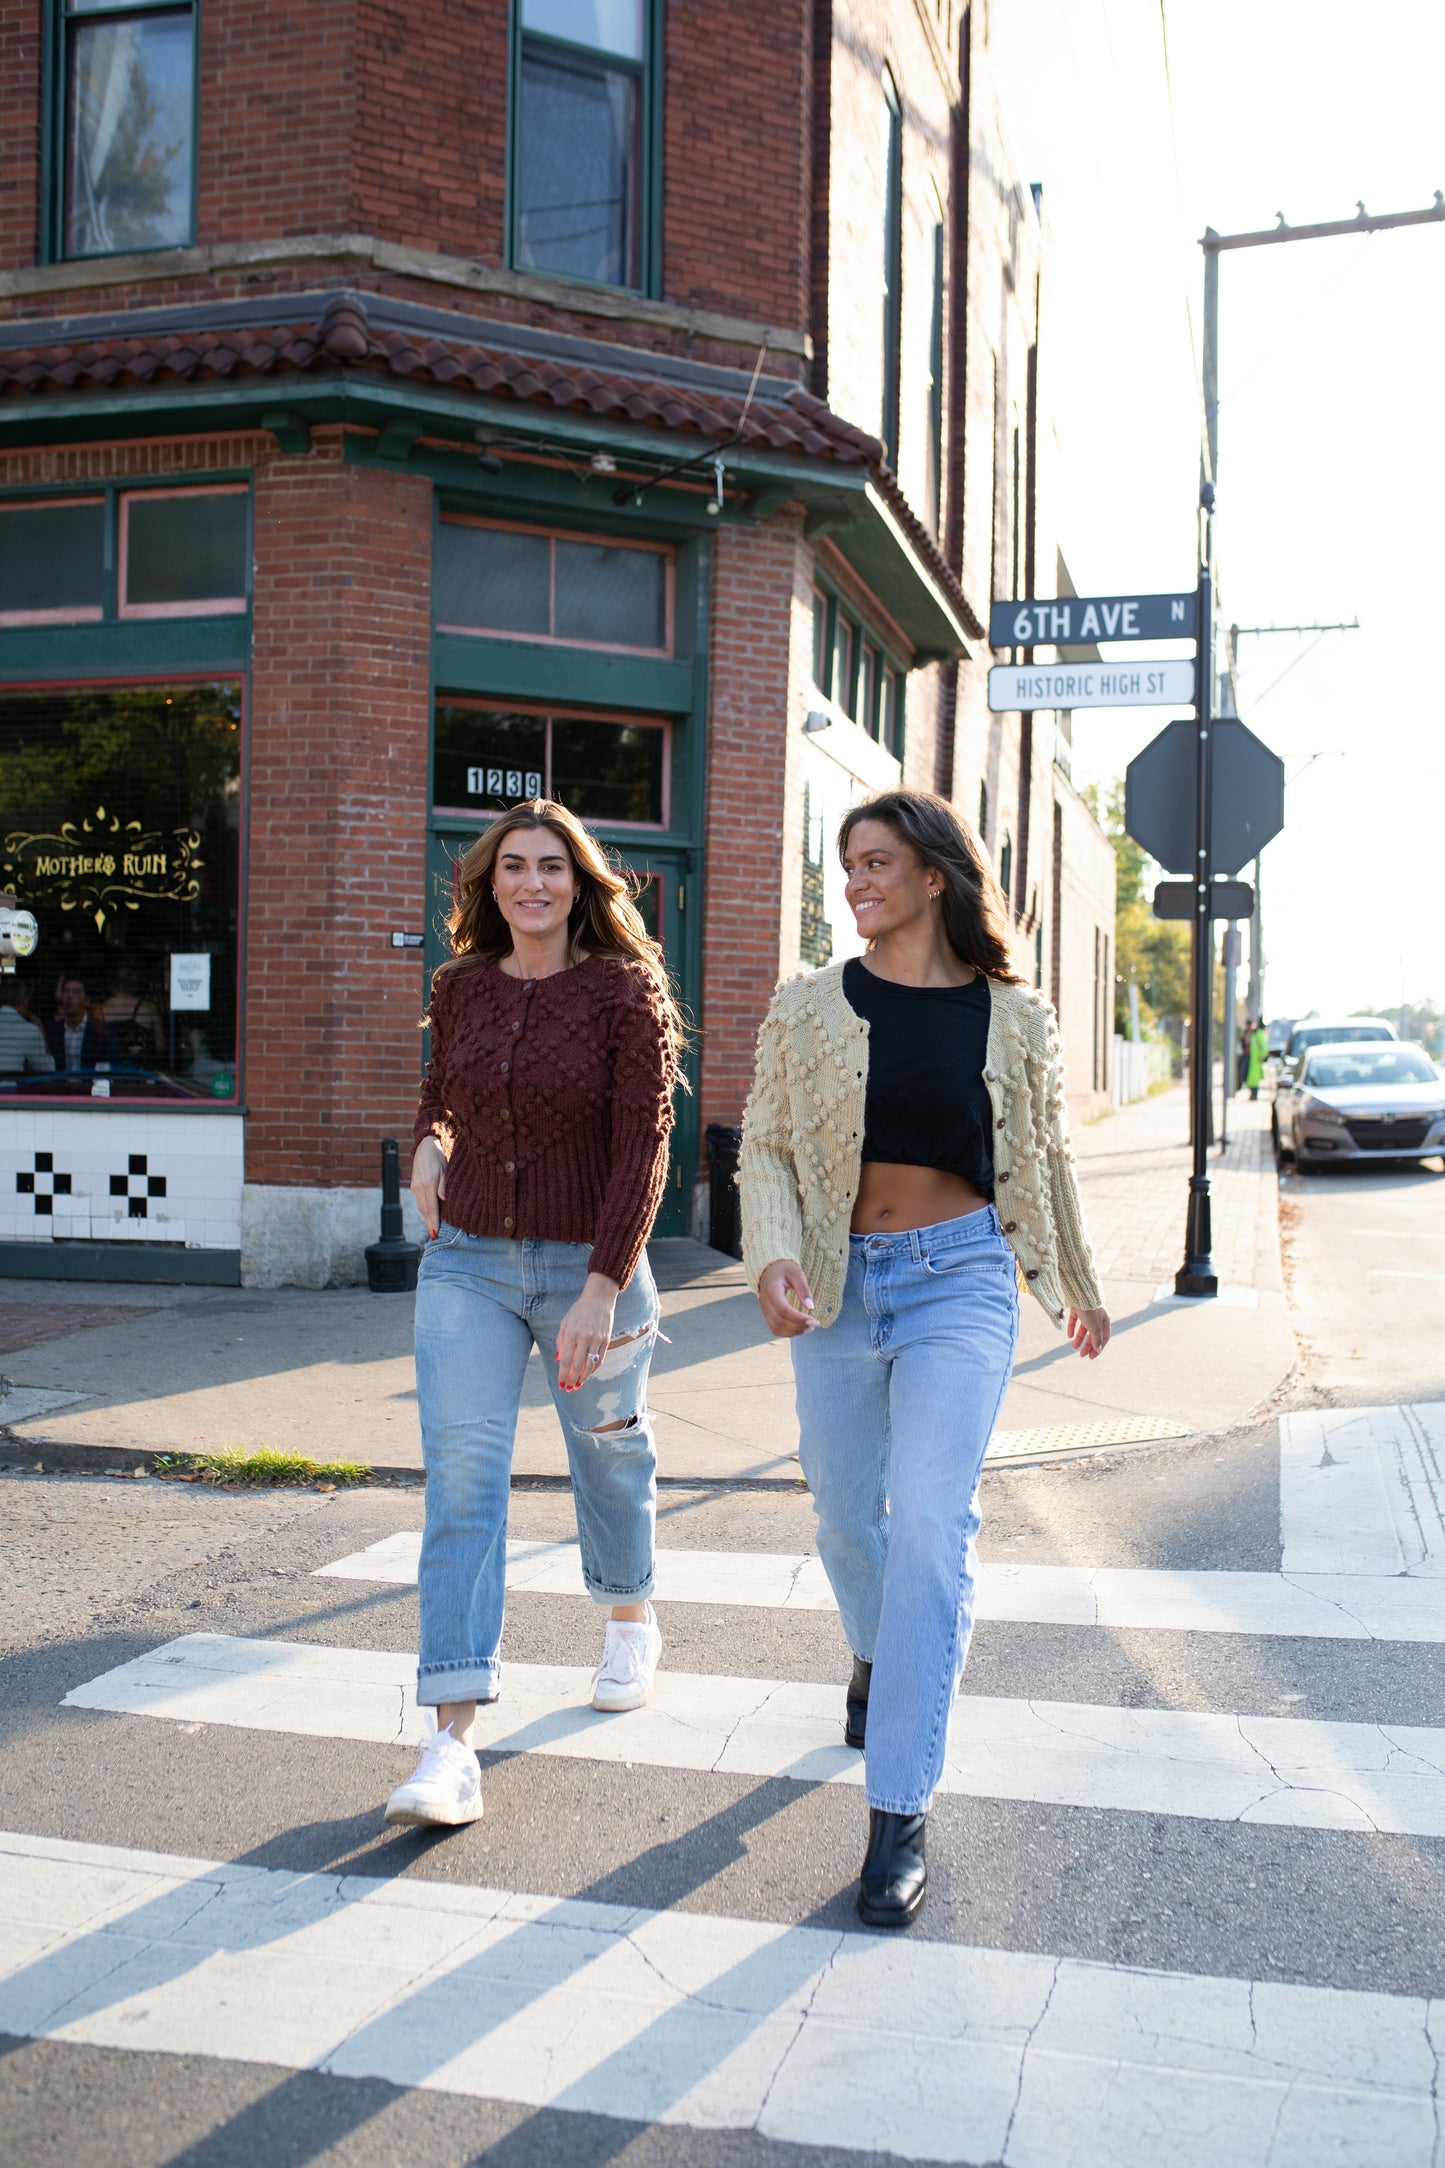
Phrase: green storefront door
(664, 902)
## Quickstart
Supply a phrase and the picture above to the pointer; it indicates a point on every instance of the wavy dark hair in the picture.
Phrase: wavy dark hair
(975, 915)
(604, 920)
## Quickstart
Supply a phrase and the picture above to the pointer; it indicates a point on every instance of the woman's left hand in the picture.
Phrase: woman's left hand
(1089, 1331)
(585, 1332)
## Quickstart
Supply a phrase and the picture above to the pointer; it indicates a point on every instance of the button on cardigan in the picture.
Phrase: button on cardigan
(552, 1099)
(803, 1128)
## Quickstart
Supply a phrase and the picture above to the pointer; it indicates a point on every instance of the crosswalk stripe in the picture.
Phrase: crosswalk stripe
(804, 2035)
(1332, 1606)
(1294, 1772)
(1362, 1490)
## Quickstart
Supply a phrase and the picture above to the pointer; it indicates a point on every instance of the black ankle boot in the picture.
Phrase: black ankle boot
(855, 1721)
(895, 1872)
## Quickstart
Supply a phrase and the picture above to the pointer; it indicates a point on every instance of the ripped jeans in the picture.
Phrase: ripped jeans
(481, 1304)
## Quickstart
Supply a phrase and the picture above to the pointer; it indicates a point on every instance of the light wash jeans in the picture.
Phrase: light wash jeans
(897, 1399)
(481, 1303)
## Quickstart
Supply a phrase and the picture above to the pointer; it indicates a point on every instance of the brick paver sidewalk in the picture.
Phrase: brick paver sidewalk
(1134, 1168)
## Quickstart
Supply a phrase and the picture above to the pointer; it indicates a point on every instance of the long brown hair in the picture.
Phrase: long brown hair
(604, 920)
(975, 915)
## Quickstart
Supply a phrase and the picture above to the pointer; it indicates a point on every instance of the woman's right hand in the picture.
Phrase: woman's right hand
(786, 1300)
(429, 1181)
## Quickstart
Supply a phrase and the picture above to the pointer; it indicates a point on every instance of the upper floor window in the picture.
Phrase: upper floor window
(892, 265)
(580, 154)
(127, 81)
(125, 553)
(523, 583)
(855, 674)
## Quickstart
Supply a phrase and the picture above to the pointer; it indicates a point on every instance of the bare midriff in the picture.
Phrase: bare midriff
(891, 1198)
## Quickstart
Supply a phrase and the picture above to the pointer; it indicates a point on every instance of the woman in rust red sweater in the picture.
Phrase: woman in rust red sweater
(540, 1157)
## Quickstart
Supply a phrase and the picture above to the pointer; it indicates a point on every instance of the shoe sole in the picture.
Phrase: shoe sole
(414, 1818)
(895, 1916)
(620, 1708)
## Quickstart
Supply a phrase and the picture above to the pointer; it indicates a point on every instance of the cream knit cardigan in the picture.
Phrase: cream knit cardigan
(803, 1128)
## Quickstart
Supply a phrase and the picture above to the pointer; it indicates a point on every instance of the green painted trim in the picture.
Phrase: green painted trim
(578, 677)
(148, 647)
(119, 1261)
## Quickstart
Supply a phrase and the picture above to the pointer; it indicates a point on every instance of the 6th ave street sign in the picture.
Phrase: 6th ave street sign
(1089, 685)
(1070, 620)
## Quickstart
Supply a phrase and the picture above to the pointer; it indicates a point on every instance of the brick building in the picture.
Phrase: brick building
(404, 410)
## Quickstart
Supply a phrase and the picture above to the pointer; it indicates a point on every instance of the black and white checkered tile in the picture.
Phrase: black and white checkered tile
(138, 1185)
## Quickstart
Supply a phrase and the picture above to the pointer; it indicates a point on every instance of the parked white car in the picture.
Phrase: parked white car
(1361, 1099)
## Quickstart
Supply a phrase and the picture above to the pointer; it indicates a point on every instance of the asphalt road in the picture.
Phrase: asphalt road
(1365, 1248)
(139, 2036)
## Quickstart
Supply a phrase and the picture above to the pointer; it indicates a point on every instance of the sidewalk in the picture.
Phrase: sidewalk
(108, 1375)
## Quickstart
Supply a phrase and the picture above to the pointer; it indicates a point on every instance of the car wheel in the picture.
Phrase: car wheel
(1283, 1153)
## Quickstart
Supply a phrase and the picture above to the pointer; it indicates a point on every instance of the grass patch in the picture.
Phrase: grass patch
(264, 1466)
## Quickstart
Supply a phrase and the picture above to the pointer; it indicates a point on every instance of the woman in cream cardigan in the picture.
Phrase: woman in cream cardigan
(905, 1167)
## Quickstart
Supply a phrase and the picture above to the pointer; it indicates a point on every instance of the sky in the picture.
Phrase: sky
(1331, 476)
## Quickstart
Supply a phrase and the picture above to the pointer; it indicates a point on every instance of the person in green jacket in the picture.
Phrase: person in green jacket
(1258, 1055)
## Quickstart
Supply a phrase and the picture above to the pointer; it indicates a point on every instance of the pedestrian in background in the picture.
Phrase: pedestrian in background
(1258, 1056)
(905, 1159)
(540, 1158)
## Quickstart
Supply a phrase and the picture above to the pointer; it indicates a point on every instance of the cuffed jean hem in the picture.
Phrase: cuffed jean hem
(896, 1806)
(457, 1682)
(607, 1599)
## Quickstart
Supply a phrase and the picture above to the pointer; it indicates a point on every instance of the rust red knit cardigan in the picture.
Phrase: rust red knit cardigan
(553, 1101)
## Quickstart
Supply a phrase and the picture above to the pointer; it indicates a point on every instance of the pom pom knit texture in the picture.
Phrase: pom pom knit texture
(552, 1099)
(803, 1129)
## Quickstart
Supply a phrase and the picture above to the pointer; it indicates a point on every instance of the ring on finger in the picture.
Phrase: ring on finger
(594, 1355)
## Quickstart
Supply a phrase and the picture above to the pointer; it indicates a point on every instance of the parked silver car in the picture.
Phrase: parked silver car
(1322, 1031)
(1361, 1100)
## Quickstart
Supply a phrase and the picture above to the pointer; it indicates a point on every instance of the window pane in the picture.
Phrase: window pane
(128, 151)
(120, 823)
(184, 549)
(607, 771)
(577, 169)
(612, 26)
(843, 687)
(868, 692)
(51, 558)
(820, 641)
(486, 758)
(492, 577)
(616, 596)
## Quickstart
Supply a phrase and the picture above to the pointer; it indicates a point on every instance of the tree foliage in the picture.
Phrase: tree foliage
(1150, 953)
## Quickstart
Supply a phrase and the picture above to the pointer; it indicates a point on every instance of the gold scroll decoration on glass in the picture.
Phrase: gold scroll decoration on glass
(101, 865)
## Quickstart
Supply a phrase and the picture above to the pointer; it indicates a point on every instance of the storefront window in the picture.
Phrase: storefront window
(602, 768)
(120, 831)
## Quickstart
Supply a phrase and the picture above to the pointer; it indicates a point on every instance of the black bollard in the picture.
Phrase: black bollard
(725, 1225)
(391, 1263)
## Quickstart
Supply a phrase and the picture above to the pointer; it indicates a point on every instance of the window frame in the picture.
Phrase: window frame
(223, 606)
(550, 711)
(20, 620)
(887, 709)
(665, 550)
(114, 610)
(648, 71)
(892, 402)
(54, 124)
(124, 681)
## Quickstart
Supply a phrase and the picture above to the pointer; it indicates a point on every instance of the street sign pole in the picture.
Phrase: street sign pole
(1196, 1275)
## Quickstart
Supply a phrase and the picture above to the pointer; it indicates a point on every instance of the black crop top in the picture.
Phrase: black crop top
(927, 1104)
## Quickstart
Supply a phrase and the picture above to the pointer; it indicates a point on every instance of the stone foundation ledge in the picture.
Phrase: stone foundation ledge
(302, 1237)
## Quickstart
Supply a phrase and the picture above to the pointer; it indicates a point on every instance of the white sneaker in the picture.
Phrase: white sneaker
(446, 1787)
(623, 1679)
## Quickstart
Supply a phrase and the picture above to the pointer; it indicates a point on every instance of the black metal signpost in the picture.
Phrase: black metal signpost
(1203, 799)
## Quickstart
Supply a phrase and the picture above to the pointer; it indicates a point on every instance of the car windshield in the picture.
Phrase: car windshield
(1372, 1066)
(1337, 1035)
